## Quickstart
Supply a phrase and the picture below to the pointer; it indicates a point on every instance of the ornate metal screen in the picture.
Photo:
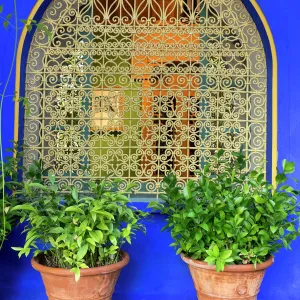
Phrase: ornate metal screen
(135, 88)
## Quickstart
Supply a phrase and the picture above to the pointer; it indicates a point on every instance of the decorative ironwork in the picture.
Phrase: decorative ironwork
(135, 88)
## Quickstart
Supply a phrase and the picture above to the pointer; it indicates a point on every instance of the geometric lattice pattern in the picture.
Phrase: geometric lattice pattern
(133, 89)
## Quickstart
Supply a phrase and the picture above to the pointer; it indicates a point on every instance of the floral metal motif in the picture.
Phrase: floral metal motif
(186, 78)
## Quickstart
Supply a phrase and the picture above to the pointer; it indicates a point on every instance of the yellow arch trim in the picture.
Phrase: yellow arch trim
(274, 80)
(18, 68)
(274, 89)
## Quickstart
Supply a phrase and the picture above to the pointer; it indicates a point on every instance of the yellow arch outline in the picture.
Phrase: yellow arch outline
(274, 80)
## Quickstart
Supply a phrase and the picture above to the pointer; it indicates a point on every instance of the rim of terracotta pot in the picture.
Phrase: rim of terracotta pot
(83, 272)
(231, 268)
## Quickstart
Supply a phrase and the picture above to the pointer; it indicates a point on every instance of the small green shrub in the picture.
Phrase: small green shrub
(230, 215)
(75, 231)
(8, 185)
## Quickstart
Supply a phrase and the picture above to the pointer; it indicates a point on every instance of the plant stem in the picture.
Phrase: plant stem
(1, 106)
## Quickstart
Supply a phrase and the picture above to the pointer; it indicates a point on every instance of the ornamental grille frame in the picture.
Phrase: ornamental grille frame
(171, 17)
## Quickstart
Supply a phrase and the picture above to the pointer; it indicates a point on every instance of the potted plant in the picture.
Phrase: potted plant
(228, 223)
(77, 240)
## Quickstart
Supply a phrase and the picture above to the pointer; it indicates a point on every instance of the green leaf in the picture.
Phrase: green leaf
(51, 178)
(220, 153)
(220, 265)
(79, 241)
(56, 230)
(210, 260)
(94, 216)
(238, 200)
(82, 251)
(257, 216)
(61, 238)
(77, 273)
(258, 199)
(38, 186)
(216, 251)
(225, 254)
(246, 188)
(104, 213)
(51, 240)
(244, 252)
(191, 214)
(187, 193)
(289, 167)
(91, 241)
(113, 249)
(188, 246)
(54, 218)
(260, 177)
(17, 248)
(128, 239)
(238, 220)
(291, 228)
(204, 226)
(127, 230)
(24, 207)
(122, 198)
(240, 210)
(75, 209)
(198, 236)
(283, 164)
(130, 186)
(273, 229)
(179, 250)
(113, 240)
(264, 251)
(96, 236)
(102, 226)
(280, 178)
(264, 234)
(75, 194)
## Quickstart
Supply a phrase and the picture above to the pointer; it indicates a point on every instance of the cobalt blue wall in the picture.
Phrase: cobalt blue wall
(155, 272)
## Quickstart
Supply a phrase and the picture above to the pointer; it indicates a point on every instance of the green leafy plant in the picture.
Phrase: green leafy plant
(230, 215)
(12, 186)
(76, 232)
(9, 179)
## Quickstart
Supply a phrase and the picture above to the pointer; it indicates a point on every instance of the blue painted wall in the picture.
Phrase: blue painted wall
(155, 272)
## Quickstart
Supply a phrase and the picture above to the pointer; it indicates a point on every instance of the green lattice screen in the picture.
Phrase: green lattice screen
(133, 89)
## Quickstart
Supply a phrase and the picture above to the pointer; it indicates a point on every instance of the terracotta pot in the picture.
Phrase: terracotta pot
(236, 282)
(94, 283)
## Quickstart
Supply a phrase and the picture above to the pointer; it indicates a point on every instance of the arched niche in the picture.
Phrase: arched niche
(137, 88)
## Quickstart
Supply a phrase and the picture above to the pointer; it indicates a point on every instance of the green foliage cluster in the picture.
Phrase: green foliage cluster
(8, 180)
(230, 215)
(75, 231)
(12, 187)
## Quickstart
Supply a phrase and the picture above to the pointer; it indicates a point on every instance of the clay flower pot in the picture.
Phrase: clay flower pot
(236, 282)
(94, 283)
